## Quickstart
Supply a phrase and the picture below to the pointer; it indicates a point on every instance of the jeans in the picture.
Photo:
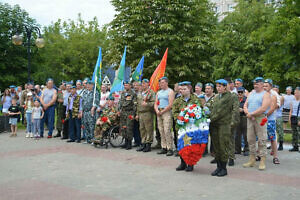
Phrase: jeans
(36, 127)
(49, 116)
(74, 128)
(29, 122)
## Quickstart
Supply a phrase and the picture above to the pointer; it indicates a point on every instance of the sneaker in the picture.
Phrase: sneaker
(49, 136)
(31, 135)
(27, 135)
(169, 153)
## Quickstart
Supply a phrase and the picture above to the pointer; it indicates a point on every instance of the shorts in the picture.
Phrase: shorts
(13, 121)
(271, 130)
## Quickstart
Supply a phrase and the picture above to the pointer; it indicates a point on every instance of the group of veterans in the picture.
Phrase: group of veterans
(241, 121)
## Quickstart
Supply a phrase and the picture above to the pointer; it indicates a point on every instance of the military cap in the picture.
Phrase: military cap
(209, 84)
(86, 79)
(79, 81)
(240, 80)
(184, 83)
(276, 86)
(90, 82)
(127, 82)
(222, 82)
(163, 78)
(269, 81)
(258, 79)
(49, 79)
(73, 86)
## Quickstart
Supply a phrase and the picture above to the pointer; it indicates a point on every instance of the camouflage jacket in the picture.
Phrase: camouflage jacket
(180, 103)
(149, 96)
(128, 102)
(111, 114)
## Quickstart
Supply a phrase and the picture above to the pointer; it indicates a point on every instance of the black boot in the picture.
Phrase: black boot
(231, 162)
(169, 153)
(223, 171)
(147, 148)
(142, 147)
(189, 168)
(280, 147)
(182, 165)
(213, 161)
(58, 134)
(162, 151)
(125, 144)
(214, 173)
(129, 146)
(295, 148)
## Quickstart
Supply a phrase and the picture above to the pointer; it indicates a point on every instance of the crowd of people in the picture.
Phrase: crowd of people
(241, 121)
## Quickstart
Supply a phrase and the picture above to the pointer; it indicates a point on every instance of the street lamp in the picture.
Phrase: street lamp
(39, 42)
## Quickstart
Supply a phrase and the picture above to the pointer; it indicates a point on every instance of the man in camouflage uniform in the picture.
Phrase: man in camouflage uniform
(74, 113)
(59, 111)
(220, 127)
(235, 119)
(107, 119)
(127, 106)
(186, 98)
(89, 110)
(145, 115)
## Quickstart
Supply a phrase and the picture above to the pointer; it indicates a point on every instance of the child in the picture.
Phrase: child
(13, 112)
(28, 109)
(37, 115)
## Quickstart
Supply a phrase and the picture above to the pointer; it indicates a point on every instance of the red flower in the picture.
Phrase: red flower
(186, 120)
(63, 121)
(192, 154)
(104, 119)
(182, 109)
(130, 117)
(263, 121)
(157, 102)
(180, 118)
(192, 114)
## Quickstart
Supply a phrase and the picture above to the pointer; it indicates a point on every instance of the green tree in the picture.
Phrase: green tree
(147, 28)
(13, 59)
(238, 55)
(71, 49)
(281, 39)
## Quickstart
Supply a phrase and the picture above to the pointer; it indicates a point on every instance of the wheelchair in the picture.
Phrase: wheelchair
(112, 137)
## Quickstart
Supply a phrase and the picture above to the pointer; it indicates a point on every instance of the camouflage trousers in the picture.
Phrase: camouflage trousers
(60, 114)
(100, 130)
(146, 126)
(88, 124)
(279, 128)
(221, 137)
(126, 125)
(165, 124)
(296, 133)
(232, 143)
(255, 130)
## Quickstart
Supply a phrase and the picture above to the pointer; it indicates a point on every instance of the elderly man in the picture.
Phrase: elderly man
(137, 87)
(163, 105)
(48, 100)
(255, 108)
(198, 89)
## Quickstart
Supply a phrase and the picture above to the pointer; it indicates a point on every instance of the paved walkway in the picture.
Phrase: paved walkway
(53, 169)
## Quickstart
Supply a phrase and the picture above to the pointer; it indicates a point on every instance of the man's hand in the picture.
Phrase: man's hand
(241, 109)
(79, 115)
(93, 111)
(137, 118)
(144, 103)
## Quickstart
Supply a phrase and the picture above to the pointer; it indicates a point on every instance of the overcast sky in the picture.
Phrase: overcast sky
(47, 11)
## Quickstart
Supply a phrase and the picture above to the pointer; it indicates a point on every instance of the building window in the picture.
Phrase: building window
(217, 9)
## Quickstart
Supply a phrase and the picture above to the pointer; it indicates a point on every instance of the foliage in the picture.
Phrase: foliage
(238, 55)
(149, 27)
(71, 49)
(13, 59)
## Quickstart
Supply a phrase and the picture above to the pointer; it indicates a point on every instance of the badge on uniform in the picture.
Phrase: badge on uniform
(128, 98)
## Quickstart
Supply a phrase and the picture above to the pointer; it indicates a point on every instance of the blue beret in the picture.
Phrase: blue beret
(199, 84)
(289, 87)
(258, 79)
(163, 78)
(86, 79)
(79, 81)
(90, 82)
(240, 89)
(222, 82)
(145, 80)
(202, 96)
(184, 83)
(240, 80)
(49, 79)
(127, 82)
(73, 86)
(269, 81)
(12, 86)
(297, 88)
(209, 84)
(276, 86)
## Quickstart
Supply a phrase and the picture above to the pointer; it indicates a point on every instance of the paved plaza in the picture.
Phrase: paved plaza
(53, 169)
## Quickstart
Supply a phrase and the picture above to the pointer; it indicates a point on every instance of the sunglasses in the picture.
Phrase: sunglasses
(240, 92)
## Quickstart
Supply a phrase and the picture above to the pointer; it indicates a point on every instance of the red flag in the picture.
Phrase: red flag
(158, 73)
